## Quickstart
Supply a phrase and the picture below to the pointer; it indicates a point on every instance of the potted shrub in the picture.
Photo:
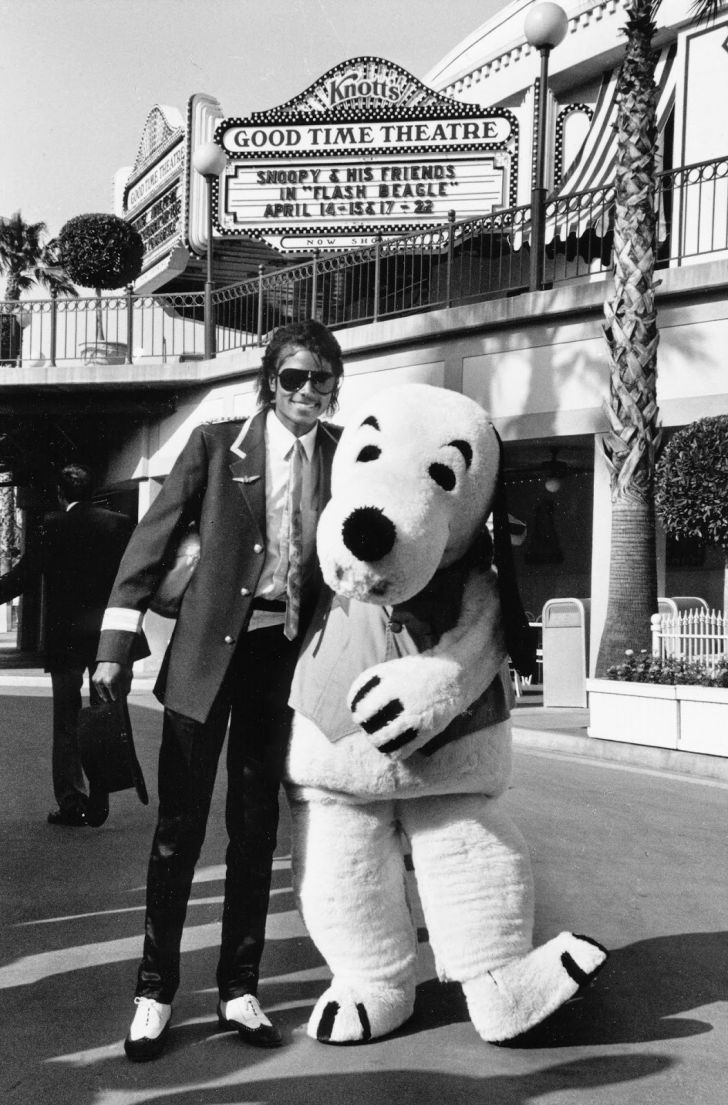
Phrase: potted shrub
(102, 252)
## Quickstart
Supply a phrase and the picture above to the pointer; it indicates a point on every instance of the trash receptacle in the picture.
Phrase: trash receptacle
(565, 651)
(679, 604)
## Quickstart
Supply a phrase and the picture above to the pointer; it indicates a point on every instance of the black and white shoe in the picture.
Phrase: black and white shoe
(148, 1031)
(74, 815)
(245, 1016)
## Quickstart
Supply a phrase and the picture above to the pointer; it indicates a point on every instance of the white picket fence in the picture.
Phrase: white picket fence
(694, 635)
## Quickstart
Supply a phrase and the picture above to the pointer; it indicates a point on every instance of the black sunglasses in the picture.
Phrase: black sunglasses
(293, 379)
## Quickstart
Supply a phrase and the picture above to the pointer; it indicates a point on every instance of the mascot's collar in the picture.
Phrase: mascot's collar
(436, 608)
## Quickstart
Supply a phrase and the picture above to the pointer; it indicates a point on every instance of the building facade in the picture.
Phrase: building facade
(535, 359)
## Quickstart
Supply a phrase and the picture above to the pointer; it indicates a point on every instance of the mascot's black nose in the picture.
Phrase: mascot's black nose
(368, 533)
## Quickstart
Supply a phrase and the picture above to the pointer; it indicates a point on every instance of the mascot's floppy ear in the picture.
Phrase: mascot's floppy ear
(520, 636)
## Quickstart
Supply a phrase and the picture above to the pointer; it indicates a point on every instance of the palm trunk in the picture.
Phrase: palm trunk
(8, 527)
(631, 331)
(632, 598)
(11, 334)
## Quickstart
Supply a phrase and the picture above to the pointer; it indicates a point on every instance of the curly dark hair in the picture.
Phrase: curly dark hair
(75, 483)
(310, 335)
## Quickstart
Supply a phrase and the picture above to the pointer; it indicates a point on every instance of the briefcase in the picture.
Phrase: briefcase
(108, 756)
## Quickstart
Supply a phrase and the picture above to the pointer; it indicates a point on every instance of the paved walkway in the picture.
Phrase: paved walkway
(627, 852)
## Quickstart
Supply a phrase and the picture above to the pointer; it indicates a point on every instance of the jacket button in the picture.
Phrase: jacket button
(244, 591)
(257, 548)
(229, 640)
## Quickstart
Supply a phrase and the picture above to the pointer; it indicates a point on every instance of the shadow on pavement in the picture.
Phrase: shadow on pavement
(412, 1087)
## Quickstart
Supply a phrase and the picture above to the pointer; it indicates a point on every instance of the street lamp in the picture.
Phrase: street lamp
(209, 160)
(544, 27)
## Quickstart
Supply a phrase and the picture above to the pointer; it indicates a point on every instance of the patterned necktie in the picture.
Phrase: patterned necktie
(295, 543)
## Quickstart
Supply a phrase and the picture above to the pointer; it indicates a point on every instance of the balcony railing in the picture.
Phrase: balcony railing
(460, 262)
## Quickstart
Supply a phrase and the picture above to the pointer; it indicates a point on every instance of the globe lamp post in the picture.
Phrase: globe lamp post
(209, 160)
(544, 27)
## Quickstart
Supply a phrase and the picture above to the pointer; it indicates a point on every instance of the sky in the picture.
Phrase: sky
(79, 77)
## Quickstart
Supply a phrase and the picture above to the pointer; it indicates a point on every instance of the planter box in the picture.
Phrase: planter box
(636, 713)
(703, 720)
(688, 719)
(103, 352)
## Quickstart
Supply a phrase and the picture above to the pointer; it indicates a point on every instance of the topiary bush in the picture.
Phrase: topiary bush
(100, 251)
(691, 485)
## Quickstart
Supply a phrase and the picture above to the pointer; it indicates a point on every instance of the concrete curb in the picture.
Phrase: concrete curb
(42, 681)
(662, 760)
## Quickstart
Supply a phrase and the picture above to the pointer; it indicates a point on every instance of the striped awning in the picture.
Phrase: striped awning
(584, 202)
(593, 166)
(570, 211)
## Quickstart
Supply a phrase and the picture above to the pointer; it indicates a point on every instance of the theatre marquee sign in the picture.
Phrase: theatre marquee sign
(367, 149)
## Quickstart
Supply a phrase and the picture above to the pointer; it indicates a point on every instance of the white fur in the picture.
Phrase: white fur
(424, 474)
(352, 770)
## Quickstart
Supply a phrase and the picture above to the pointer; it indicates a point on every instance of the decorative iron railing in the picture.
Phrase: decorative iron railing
(460, 262)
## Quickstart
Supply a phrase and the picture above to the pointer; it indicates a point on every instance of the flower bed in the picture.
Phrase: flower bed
(670, 671)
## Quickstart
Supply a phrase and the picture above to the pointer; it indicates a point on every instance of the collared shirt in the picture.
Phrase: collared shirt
(279, 445)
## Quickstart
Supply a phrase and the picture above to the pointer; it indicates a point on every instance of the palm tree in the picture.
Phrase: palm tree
(51, 275)
(630, 328)
(25, 259)
(21, 245)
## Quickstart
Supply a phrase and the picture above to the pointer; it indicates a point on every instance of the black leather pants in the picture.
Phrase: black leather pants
(254, 697)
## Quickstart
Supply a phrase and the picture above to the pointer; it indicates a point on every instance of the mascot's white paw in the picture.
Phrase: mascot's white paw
(356, 1015)
(509, 1000)
(395, 706)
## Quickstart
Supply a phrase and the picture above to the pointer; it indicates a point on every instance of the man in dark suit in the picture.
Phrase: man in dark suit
(255, 489)
(78, 555)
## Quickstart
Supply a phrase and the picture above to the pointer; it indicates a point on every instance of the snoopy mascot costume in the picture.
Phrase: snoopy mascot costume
(401, 727)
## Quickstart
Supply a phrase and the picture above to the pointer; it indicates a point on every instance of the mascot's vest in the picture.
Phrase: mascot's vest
(347, 637)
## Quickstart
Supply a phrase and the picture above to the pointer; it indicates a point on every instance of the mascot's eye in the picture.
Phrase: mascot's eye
(369, 452)
(466, 449)
(370, 420)
(443, 476)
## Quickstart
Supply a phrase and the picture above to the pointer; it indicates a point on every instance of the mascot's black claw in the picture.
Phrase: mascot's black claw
(364, 691)
(328, 1020)
(323, 1032)
(383, 717)
(399, 742)
(364, 1022)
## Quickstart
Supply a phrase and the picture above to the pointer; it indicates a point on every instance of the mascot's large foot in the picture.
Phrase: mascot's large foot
(357, 1014)
(509, 1000)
